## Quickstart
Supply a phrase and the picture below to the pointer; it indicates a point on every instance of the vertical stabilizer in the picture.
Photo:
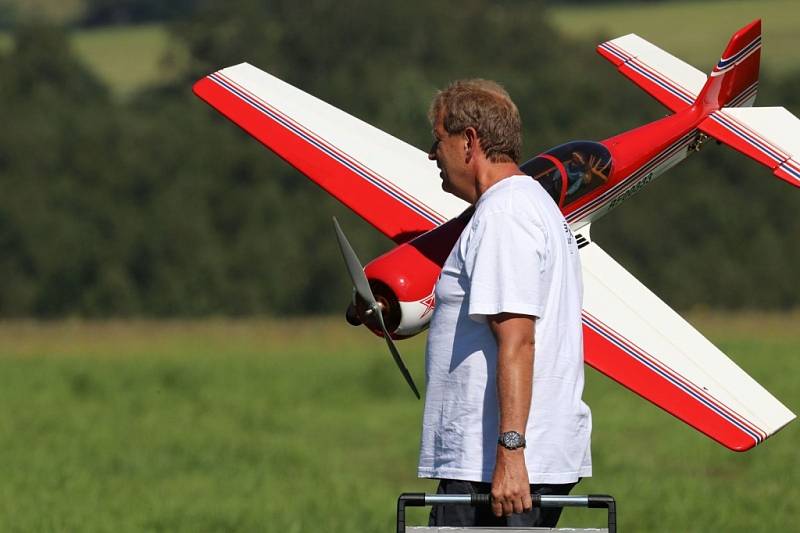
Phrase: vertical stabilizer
(734, 80)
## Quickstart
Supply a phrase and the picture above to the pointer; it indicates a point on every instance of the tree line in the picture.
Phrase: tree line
(157, 206)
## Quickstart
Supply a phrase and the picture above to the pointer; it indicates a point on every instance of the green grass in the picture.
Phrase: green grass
(695, 31)
(126, 58)
(305, 425)
(129, 58)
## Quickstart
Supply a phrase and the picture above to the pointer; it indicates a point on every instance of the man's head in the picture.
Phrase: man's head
(469, 118)
(578, 158)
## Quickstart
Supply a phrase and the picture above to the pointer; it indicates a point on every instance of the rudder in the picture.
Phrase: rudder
(734, 80)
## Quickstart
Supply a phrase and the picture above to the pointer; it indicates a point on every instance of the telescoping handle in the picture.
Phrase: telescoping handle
(420, 499)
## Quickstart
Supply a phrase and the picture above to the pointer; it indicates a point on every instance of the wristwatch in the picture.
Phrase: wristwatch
(511, 440)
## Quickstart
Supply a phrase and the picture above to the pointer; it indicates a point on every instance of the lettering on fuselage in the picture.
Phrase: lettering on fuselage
(630, 192)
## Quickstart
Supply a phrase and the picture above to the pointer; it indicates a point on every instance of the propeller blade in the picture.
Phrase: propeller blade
(362, 288)
(353, 266)
(396, 355)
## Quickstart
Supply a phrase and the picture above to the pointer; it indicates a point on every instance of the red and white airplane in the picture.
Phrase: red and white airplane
(629, 333)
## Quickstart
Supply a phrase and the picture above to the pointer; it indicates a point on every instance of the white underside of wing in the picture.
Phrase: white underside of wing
(663, 339)
(394, 160)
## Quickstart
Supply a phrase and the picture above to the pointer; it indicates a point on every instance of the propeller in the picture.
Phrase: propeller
(362, 288)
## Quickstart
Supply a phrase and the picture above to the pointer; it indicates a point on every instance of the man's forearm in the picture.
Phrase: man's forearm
(514, 384)
(515, 354)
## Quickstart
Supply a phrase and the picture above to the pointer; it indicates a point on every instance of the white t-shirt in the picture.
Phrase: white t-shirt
(516, 255)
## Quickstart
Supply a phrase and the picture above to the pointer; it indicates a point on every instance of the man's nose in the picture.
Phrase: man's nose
(432, 151)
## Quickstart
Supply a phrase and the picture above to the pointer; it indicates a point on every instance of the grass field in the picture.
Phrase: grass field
(695, 31)
(304, 425)
(130, 58)
(126, 58)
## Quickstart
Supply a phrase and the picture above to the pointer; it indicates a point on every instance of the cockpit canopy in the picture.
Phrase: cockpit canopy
(571, 170)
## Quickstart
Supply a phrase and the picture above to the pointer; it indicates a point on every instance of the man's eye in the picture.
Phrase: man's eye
(434, 146)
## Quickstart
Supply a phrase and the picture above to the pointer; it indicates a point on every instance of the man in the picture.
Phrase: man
(504, 360)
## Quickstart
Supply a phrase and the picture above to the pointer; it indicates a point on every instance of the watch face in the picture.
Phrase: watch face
(512, 440)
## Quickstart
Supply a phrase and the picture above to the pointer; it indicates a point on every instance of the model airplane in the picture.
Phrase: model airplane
(629, 333)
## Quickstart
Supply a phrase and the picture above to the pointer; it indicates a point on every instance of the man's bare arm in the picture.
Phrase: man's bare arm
(515, 352)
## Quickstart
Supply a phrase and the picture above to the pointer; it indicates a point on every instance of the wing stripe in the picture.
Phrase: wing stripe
(620, 188)
(326, 148)
(791, 168)
(645, 70)
(676, 379)
(637, 66)
(751, 137)
(619, 53)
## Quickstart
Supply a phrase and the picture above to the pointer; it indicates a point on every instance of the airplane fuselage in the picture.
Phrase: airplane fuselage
(404, 278)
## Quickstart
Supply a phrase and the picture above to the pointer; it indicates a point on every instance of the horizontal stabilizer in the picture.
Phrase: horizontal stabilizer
(636, 339)
(770, 135)
(666, 78)
(388, 182)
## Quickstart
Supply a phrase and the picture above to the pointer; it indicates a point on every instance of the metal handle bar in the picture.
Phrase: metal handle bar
(591, 501)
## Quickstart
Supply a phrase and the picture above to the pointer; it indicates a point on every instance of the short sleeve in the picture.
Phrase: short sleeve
(505, 264)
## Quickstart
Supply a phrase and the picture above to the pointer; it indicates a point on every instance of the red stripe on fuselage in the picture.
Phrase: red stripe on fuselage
(632, 150)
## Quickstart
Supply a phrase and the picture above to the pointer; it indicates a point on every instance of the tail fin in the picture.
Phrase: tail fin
(734, 80)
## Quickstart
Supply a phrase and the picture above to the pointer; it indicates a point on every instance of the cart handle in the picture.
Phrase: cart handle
(591, 501)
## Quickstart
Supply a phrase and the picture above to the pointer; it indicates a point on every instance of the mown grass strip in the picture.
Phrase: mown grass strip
(305, 425)
(126, 58)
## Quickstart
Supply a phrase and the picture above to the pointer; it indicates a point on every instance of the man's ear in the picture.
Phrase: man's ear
(472, 143)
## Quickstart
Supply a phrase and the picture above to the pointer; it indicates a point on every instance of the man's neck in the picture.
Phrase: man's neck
(493, 173)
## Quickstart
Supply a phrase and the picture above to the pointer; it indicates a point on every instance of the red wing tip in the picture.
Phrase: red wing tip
(197, 87)
(740, 446)
(608, 55)
(202, 87)
(788, 178)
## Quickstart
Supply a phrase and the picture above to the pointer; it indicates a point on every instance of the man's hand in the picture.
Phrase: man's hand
(511, 492)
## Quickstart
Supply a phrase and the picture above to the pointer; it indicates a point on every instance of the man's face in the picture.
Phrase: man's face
(449, 152)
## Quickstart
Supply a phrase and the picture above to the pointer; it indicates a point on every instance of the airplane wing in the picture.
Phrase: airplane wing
(770, 135)
(636, 339)
(666, 78)
(389, 183)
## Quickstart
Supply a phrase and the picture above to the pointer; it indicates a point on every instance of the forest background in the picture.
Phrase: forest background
(123, 195)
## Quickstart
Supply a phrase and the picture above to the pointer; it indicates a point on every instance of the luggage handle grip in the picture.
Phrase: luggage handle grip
(591, 501)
